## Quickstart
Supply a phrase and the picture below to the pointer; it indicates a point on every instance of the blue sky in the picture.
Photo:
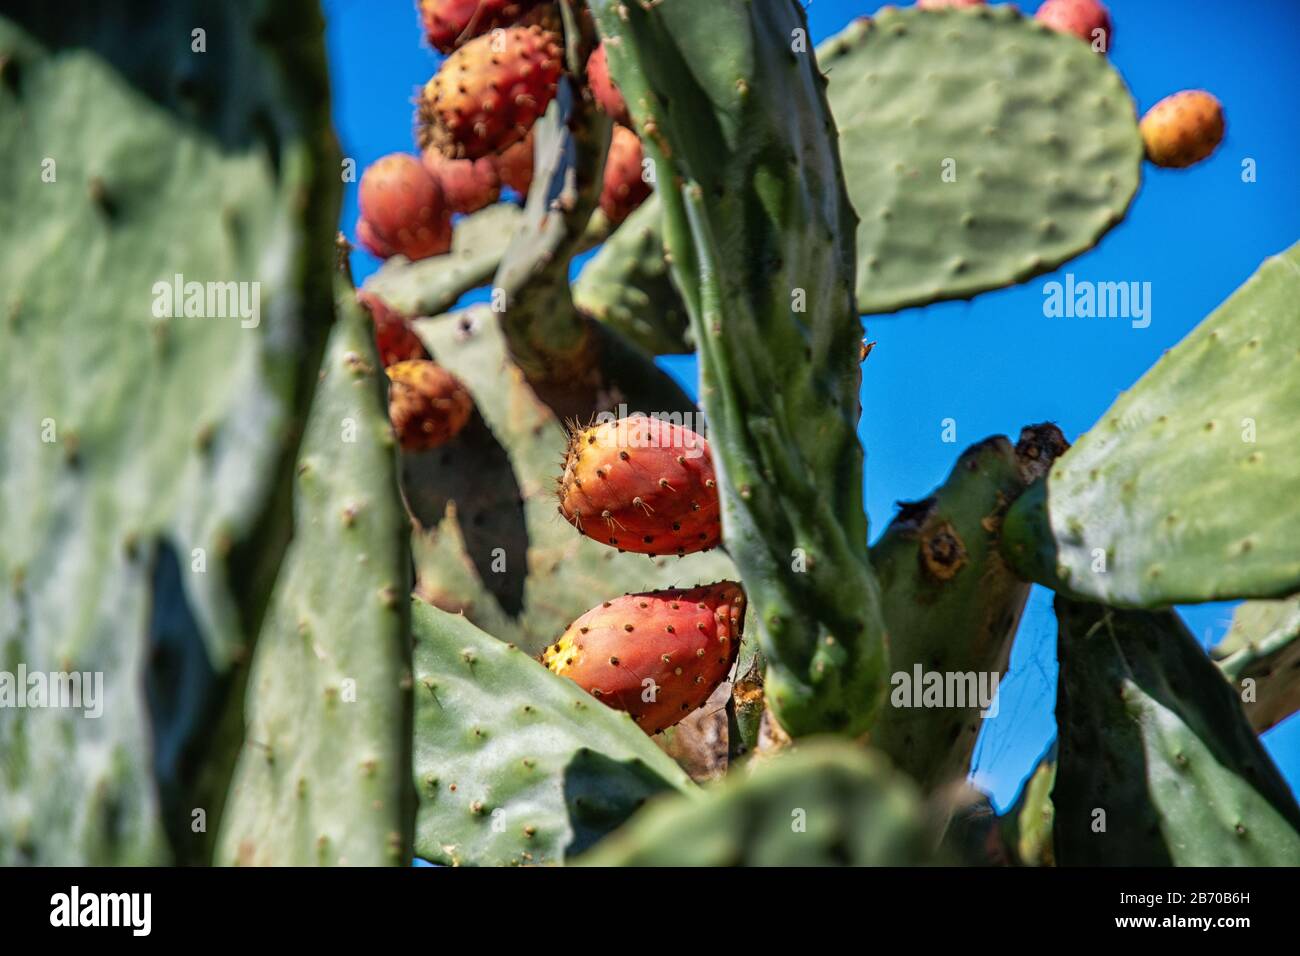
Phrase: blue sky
(996, 363)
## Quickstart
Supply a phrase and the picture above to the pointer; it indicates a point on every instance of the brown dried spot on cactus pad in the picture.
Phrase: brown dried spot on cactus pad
(1038, 447)
(943, 553)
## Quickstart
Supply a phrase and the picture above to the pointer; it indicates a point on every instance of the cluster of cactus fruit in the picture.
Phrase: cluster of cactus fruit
(700, 607)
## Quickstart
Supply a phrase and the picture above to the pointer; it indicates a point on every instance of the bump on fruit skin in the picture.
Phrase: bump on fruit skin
(1080, 17)
(514, 165)
(606, 94)
(1183, 129)
(427, 405)
(395, 340)
(467, 184)
(488, 93)
(625, 187)
(685, 641)
(943, 4)
(403, 209)
(642, 484)
(450, 23)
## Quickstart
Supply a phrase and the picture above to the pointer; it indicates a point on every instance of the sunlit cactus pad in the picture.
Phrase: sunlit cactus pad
(1185, 491)
(980, 149)
(1263, 646)
(514, 765)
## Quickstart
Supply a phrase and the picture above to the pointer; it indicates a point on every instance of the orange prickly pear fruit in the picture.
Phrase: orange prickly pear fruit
(659, 656)
(427, 405)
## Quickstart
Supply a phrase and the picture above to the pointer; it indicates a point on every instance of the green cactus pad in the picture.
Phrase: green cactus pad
(145, 455)
(514, 765)
(758, 227)
(981, 149)
(1027, 827)
(489, 541)
(1187, 485)
(628, 286)
(825, 803)
(1151, 734)
(432, 286)
(548, 338)
(952, 606)
(322, 776)
(1263, 646)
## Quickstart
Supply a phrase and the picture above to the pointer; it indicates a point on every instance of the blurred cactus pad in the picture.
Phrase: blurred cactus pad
(245, 621)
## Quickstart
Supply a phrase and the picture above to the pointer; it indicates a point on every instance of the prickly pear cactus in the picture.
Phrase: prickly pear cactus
(1157, 764)
(514, 765)
(322, 776)
(490, 541)
(149, 425)
(826, 803)
(1171, 497)
(757, 225)
(318, 649)
(951, 603)
(961, 132)
(487, 540)
(959, 135)
(628, 285)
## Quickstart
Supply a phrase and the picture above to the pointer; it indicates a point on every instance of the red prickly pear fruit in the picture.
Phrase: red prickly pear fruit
(427, 405)
(642, 484)
(489, 92)
(659, 655)
(395, 340)
(1089, 20)
(467, 184)
(403, 210)
(943, 4)
(606, 94)
(1183, 129)
(514, 165)
(625, 187)
(449, 23)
